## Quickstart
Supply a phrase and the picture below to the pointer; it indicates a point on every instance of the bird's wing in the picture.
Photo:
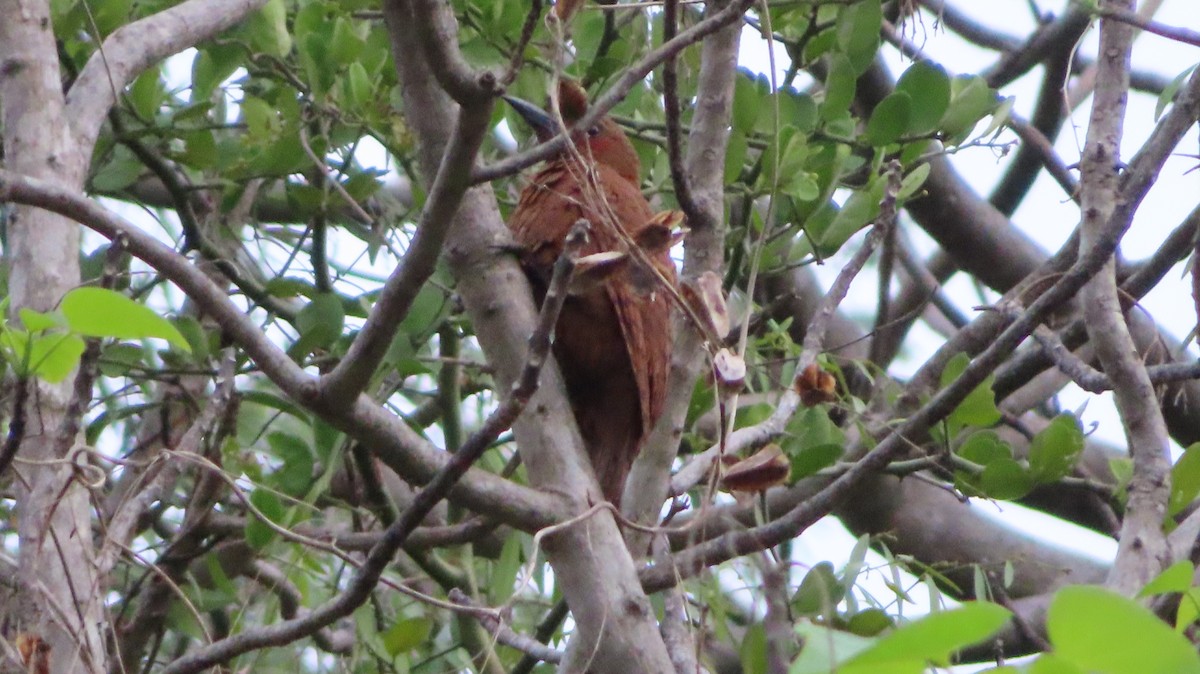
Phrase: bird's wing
(645, 317)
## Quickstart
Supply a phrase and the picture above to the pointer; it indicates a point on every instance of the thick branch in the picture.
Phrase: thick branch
(1142, 552)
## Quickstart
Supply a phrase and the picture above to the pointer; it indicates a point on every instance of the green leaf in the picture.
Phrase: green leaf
(819, 592)
(929, 87)
(295, 476)
(1185, 480)
(52, 358)
(889, 119)
(406, 634)
(1049, 663)
(984, 447)
(1168, 93)
(858, 33)
(1101, 632)
(1054, 451)
(810, 460)
(1175, 578)
(979, 407)
(504, 573)
(146, 94)
(840, 83)
(36, 321)
(118, 359)
(870, 622)
(1189, 609)
(97, 312)
(1006, 480)
(426, 313)
(913, 181)
(825, 647)
(267, 29)
(753, 651)
(258, 534)
(746, 102)
(971, 101)
(320, 324)
(931, 639)
(860, 208)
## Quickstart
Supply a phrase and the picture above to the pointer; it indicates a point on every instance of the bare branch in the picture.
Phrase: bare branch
(1142, 549)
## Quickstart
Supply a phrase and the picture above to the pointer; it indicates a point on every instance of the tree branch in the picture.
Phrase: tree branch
(1142, 548)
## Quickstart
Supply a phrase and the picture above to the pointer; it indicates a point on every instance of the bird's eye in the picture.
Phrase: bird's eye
(594, 131)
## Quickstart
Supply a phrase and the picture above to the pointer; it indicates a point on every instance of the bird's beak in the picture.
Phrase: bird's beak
(539, 119)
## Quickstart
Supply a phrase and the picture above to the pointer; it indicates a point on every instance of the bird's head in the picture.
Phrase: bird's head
(604, 141)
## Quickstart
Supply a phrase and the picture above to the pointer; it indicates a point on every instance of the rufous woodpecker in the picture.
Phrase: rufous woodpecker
(613, 338)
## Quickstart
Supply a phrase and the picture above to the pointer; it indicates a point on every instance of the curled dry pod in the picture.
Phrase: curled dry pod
(729, 371)
(766, 468)
(816, 386)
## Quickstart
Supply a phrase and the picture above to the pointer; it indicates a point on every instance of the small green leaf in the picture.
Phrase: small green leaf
(979, 407)
(889, 119)
(1185, 480)
(870, 622)
(971, 101)
(746, 102)
(858, 33)
(1054, 451)
(825, 647)
(840, 83)
(1101, 632)
(405, 635)
(984, 447)
(320, 324)
(860, 208)
(36, 321)
(97, 312)
(819, 592)
(295, 476)
(931, 639)
(1168, 92)
(1189, 609)
(504, 573)
(1175, 578)
(52, 358)
(1006, 480)
(258, 533)
(913, 181)
(753, 651)
(809, 460)
(929, 87)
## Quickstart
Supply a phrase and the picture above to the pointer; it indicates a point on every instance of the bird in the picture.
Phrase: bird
(613, 338)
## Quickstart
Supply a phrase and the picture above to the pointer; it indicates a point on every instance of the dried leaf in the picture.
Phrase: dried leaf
(766, 468)
(591, 271)
(816, 386)
(661, 233)
(729, 369)
(706, 297)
